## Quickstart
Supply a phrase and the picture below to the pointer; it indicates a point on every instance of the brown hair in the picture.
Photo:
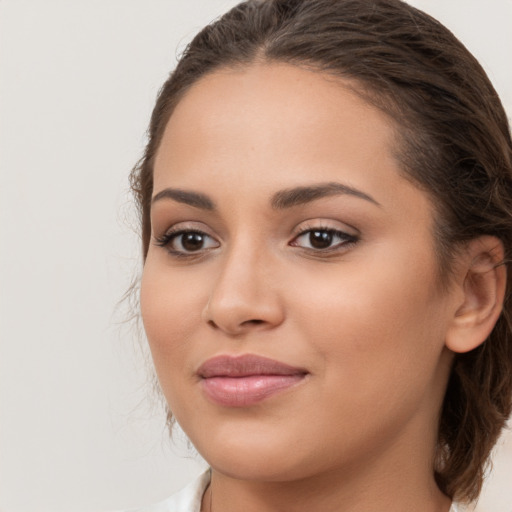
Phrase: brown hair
(454, 143)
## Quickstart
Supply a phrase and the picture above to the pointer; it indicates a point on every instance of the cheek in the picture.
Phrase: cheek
(377, 340)
(383, 319)
(170, 309)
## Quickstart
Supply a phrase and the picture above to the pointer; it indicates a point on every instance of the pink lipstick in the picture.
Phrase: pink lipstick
(241, 381)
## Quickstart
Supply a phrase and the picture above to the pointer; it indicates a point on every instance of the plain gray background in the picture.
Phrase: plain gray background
(77, 83)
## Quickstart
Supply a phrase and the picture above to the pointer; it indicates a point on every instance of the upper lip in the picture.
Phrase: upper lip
(245, 366)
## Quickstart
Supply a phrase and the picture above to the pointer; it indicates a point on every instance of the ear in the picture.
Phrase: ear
(482, 281)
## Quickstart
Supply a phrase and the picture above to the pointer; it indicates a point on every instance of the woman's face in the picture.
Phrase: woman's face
(290, 293)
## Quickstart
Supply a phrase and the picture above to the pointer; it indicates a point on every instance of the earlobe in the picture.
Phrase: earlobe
(483, 283)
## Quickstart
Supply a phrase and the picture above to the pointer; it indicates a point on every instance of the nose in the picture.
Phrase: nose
(245, 295)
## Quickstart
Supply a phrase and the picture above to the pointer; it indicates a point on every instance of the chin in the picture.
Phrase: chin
(252, 456)
(260, 468)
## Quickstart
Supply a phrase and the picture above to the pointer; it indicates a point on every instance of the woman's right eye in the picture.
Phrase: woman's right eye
(186, 242)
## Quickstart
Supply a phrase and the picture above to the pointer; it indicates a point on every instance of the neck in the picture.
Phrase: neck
(399, 479)
(229, 495)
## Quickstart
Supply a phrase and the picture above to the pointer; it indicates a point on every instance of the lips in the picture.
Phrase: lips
(242, 381)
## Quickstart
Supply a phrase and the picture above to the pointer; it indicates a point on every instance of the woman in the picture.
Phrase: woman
(325, 201)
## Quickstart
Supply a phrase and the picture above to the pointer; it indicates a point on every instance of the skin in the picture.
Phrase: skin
(367, 319)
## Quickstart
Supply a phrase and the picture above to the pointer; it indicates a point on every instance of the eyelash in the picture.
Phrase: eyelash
(167, 238)
(347, 240)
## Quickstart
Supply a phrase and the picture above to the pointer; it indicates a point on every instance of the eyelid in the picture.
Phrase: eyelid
(325, 225)
(171, 234)
(345, 239)
(180, 226)
(348, 238)
(166, 239)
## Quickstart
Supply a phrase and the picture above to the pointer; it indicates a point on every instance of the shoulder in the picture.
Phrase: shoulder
(186, 500)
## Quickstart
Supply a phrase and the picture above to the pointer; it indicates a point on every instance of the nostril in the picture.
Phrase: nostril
(253, 322)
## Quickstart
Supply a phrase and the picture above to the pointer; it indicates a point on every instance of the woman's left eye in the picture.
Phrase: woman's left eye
(323, 239)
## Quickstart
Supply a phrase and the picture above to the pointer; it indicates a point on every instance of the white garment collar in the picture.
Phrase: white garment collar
(189, 498)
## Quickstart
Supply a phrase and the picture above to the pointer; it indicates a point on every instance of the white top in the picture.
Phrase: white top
(189, 498)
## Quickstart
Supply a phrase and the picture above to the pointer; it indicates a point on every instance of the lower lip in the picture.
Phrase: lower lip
(246, 391)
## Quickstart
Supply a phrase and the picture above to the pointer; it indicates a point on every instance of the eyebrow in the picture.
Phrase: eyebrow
(195, 199)
(301, 195)
(280, 200)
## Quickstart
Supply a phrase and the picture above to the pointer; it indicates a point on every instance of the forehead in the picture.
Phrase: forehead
(272, 110)
(266, 127)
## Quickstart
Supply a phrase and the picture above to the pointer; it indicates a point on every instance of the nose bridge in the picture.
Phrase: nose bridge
(244, 295)
(243, 273)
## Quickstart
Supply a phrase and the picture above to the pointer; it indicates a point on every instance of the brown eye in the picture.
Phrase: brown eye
(320, 239)
(183, 242)
(323, 239)
(191, 241)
